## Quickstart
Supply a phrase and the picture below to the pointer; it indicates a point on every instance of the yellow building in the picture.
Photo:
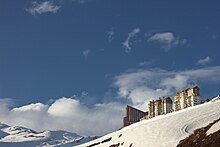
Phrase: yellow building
(159, 106)
(187, 98)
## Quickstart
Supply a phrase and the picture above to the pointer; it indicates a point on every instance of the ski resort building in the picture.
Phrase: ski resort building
(183, 99)
(132, 115)
(159, 106)
(187, 98)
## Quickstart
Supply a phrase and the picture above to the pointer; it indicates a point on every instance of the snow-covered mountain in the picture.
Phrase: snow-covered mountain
(164, 130)
(19, 136)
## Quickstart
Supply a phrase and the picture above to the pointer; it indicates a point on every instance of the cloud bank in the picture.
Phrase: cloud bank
(167, 40)
(135, 87)
(140, 86)
(64, 114)
(43, 7)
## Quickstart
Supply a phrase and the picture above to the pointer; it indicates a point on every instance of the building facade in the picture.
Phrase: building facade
(167, 104)
(187, 98)
(133, 115)
(159, 106)
(183, 99)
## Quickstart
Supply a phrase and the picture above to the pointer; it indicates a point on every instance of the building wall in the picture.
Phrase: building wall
(160, 106)
(132, 115)
(168, 105)
(151, 109)
(187, 98)
(183, 99)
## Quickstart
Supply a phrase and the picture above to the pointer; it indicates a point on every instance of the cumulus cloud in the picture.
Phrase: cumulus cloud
(31, 107)
(204, 61)
(167, 40)
(61, 106)
(86, 52)
(43, 7)
(65, 114)
(140, 86)
(127, 43)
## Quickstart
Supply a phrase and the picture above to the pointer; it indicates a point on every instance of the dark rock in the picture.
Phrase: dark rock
(200, 139)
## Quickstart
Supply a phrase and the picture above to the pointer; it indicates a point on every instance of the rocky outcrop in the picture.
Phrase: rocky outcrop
(200, 138)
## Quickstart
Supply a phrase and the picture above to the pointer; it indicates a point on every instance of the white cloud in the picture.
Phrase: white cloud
(127, 43)
(110, 35)
(137, 86)
(204, 61)
(31, 107)
(62, 108)
(65, 114)
(167, 40)
(43, 7)
(140, 86)
(5, 104)
(86, 52)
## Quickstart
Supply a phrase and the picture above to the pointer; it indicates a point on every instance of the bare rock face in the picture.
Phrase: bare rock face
(200, 138)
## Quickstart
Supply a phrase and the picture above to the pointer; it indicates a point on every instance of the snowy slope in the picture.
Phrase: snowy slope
(214, 128)
(20, 136)
(162, 131)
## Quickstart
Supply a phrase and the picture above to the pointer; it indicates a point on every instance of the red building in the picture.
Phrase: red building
(132, 115)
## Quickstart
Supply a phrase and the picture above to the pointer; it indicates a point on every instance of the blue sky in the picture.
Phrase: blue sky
(102, 51)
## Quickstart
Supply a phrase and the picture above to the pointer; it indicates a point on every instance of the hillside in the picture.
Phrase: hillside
(163, 131)
(15, 136)
(205, 136)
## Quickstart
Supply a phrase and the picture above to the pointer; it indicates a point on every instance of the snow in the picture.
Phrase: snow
(214, 128)
(216, 98)
(19, 136)
(164, 130)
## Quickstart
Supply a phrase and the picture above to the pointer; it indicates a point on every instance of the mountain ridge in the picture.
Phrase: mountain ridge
(21, 136)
